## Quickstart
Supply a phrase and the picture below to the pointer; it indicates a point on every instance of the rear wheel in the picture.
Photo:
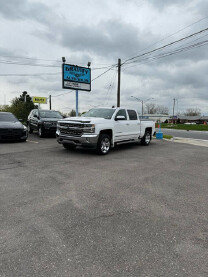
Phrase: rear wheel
(146, 138)
(104, 144)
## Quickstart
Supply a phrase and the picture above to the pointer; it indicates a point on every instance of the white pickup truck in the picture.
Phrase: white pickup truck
(103, 128)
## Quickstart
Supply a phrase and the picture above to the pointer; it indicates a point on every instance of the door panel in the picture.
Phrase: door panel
(134, 124)
(121, 127)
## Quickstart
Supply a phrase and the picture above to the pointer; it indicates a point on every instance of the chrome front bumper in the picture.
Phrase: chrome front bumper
(87, 140)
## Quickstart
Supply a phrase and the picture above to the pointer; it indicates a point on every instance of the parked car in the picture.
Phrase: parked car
(11, 128)
(103, 128)
(43, 121)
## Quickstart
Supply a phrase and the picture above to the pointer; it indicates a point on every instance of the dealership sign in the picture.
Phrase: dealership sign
(76, 77)
(40, 100)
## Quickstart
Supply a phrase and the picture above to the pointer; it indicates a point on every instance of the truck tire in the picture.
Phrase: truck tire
(104, 144)
(40, 131)
(69, 146)
(146, 138)
(30, 130)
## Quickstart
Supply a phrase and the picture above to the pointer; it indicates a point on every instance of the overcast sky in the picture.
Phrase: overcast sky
(35, 34)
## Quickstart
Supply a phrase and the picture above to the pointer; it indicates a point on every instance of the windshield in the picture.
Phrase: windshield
(7, 117)
(103, 113)
(50, 114)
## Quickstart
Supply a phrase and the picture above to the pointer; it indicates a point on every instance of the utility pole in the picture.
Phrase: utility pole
(119, 83)
(50, 102)
(173, 108)
(142, 108)
(142, 101)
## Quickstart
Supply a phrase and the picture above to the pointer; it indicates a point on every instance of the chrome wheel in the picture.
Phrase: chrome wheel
(105, 145)
(147, 138)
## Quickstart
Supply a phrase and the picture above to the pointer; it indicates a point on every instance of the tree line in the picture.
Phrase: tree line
(22, 105)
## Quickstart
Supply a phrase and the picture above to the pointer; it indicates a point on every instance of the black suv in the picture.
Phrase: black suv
(43, 121)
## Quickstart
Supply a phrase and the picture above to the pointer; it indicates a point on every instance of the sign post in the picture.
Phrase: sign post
(77, 101)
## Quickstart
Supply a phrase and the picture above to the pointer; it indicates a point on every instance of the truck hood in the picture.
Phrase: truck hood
(92, 120)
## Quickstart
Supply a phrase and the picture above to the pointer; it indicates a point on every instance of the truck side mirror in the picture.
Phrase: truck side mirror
(120, 117)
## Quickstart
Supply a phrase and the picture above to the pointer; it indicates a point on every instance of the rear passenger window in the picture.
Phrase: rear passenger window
(132, 115)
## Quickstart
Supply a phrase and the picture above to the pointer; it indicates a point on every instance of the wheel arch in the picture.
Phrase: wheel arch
(150, 130)
(108, 132)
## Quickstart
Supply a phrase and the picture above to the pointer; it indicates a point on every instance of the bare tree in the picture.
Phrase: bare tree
(192, 112)
(162, 109)
(151, 108)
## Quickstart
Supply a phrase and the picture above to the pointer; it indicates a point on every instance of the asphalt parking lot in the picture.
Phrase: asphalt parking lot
(139, 211)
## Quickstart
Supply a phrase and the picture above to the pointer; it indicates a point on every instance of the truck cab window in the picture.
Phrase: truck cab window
(132, 115)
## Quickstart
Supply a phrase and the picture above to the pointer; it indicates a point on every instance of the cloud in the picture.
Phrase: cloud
(161, 4)
(24, 10)
(112, 39)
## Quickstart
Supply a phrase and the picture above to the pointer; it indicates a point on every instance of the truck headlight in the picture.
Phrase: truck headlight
(89, 128)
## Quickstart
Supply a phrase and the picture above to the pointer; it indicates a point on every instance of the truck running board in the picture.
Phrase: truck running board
(125, 141)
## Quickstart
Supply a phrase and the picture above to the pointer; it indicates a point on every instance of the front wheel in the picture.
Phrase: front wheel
(104, 144)
(40, 132)
(146, 138)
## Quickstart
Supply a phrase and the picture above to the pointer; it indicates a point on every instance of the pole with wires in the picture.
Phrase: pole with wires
(50, 102)
(119, 83)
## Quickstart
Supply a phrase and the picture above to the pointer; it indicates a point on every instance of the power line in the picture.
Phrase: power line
(110, 86)
(43, 65)
(164, 46)
(103, 73)
(28, 64)
(38, 74)
(62, 94)
(174, 33)
(32, 59)
(175, 51)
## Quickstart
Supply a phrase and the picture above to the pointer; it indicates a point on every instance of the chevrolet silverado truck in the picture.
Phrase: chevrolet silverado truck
(103, 128)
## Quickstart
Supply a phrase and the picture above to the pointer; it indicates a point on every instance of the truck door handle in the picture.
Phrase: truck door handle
(127, 124)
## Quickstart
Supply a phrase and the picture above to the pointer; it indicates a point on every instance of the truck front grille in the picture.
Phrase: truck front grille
(71, 129)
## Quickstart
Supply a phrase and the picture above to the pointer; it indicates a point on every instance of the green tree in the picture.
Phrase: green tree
(21, 106)
(4, 108)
